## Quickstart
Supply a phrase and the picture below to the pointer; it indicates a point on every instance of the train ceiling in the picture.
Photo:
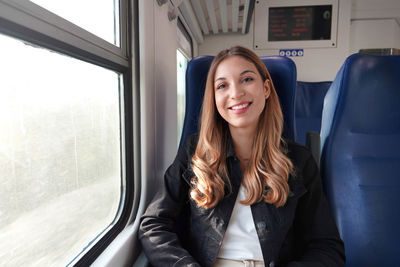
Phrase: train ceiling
(210, 17)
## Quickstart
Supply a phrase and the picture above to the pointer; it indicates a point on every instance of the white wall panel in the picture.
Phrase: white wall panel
(165, 45)
(374, 33)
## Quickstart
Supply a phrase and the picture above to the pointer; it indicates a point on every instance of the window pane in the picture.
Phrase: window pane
(184, 40)
(60, 154)
(181, 92)
(98, 17)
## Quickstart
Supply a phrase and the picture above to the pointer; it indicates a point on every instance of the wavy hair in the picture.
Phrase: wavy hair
(269, 168)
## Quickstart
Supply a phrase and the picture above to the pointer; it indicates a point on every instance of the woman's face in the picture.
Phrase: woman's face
(240, 92)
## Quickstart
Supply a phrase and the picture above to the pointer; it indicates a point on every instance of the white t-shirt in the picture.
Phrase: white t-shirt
(240, 240)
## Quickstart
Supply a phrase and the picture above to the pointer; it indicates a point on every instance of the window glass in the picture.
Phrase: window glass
(60, 154)
(184, 40)
(181, 92)
(98, 17)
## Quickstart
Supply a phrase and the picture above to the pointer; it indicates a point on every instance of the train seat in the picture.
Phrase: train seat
(308, 107)
(360, 158)
(283, 73)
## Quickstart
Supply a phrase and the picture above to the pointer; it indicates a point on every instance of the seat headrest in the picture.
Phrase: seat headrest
(283, 74)
(364, 96)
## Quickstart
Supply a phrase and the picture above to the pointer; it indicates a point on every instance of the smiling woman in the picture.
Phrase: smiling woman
(237, 76)
(237, 193)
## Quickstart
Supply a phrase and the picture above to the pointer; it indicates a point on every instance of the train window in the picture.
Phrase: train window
(183, 54)
(181, 81)
(103, 20)
(60, 154)
(66, 131)
(185, 42)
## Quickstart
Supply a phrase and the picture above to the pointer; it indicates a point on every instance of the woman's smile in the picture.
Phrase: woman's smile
(240, 108)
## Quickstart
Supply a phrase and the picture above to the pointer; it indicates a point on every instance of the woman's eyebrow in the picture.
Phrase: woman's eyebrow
(241, 74)
(246, 71)
(219, 78)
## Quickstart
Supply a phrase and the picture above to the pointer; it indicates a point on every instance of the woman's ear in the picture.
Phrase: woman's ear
(267, 88)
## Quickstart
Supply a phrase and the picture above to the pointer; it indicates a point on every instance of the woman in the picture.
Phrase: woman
(237, 194)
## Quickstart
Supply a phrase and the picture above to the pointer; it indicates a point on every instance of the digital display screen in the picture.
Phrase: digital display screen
(299, 23)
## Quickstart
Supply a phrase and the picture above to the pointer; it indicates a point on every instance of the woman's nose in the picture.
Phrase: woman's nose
(237, 91)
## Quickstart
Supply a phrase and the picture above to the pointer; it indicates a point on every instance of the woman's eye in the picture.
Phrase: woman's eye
(247, 79)
(220, 86)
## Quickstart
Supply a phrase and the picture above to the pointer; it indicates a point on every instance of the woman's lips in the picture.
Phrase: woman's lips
(240, 108)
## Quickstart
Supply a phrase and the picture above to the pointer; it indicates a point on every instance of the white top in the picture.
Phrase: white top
(240, 240)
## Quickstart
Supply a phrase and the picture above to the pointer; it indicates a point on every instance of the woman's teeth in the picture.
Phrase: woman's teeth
(240, 106)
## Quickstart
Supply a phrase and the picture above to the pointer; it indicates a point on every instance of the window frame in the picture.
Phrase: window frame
(181, 26)
(29, 22)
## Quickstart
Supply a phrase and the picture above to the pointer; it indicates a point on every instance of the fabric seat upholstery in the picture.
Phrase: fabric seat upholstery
(360, 157)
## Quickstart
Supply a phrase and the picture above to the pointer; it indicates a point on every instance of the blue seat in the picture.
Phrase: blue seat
(360, 157)
(283, 73)
(309, 101)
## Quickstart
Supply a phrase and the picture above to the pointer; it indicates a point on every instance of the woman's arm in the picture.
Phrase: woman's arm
(157, 229)
(317, 239)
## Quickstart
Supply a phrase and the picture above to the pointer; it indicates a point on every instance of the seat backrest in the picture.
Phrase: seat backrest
(283, 74)
(360, 157)
(308, 108)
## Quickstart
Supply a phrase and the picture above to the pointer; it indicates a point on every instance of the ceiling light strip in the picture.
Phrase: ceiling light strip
(211, 14)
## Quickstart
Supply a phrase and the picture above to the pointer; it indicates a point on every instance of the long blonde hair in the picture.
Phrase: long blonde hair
(269, 168)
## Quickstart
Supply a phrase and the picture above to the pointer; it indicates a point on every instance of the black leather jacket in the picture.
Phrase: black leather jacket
(175, 232)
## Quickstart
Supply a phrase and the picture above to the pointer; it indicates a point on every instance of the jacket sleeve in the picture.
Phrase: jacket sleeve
(317, 239)
(157, 233)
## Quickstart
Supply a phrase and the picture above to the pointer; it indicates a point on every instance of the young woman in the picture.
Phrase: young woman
(237, 194)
